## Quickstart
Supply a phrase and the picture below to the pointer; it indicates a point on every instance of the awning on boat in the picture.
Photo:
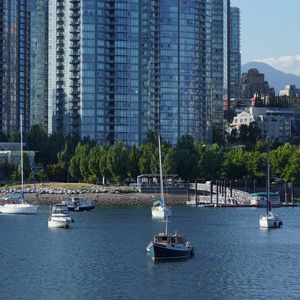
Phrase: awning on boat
(16, 197)
(159, 202)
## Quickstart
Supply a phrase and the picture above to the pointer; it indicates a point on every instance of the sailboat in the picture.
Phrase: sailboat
(171, 246)
(159, 208)
(21, 207)
(269, 220)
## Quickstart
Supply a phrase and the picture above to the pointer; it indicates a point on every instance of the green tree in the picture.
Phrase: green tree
(169, 164)
(244, 134)
(67, 151)
(148, 160)
(75, 163)
(256, 163)
(84, 162)
(234, 166)
(93, 162)
(54, 172)
(103, 164)
(211, 163)
(133, 162)
(292, 169)
(6, 170)
(279, 159)
(233, 136)
(117, 160)
(186, 158)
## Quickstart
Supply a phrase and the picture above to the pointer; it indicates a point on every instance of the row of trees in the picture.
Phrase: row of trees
(86, 161)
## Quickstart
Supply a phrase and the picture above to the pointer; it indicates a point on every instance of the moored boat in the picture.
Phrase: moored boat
(60, 217)
(16, 203)
(159, 209)
(169, 246)
(269, 220)
(260, 199)
(79, 204)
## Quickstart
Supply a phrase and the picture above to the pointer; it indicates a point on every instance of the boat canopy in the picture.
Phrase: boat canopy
(262, 194)
(19, 196)
(159, 202)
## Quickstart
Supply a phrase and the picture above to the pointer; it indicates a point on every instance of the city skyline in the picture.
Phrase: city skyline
(275, 44)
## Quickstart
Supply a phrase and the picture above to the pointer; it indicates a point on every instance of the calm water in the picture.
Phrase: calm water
(103, 256)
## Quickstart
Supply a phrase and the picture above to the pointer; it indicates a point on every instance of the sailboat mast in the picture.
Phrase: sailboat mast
(160, 170)
(268, 176)
(22, 175)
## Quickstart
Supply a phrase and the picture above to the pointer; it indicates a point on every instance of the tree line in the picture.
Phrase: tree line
(69, 158)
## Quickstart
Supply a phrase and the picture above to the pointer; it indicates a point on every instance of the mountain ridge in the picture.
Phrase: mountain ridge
(276, 78)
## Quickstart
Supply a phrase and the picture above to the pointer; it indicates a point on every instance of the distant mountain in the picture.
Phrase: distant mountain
(277, 79)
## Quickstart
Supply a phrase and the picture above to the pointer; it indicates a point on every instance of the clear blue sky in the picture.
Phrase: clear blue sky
(270, 32)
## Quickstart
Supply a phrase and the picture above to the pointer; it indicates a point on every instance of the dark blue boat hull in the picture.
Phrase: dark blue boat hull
(160, 252)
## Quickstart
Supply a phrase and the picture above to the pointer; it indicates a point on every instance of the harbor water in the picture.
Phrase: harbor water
(103, 256)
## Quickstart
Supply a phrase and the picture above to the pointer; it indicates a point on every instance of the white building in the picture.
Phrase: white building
(276, 123)
(290, 90)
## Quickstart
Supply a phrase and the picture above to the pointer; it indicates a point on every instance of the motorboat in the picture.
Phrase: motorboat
(159, 209)
(79, 204)
(169, 246)
(60, 217)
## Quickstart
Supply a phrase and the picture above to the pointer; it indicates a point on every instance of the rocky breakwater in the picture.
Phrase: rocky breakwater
(108, 196)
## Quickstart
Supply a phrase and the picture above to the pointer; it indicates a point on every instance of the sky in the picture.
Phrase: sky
(270, 32)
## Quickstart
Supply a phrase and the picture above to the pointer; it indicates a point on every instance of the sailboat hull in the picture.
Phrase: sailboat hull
(161, 212)
(169, 251)
(21, 208)
(270, 221)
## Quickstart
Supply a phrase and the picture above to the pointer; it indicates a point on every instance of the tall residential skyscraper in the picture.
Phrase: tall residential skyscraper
(39, 62)
(235, 54)
(118, 69)
(15, 62)
(219, 61)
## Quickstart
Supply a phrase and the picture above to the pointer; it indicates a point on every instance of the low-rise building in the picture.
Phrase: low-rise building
(278, 124)
(290, 90)
(11, 153)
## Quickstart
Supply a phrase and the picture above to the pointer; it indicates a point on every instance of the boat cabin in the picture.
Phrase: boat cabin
(260, 199)
(60, 209)
(169, 238)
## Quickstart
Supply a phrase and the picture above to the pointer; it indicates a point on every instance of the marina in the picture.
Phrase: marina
(106, 248)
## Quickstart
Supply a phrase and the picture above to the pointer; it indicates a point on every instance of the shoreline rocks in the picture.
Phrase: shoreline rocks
(106, 199)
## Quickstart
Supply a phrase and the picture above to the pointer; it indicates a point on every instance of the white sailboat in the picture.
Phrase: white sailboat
(159, 208)
(21, 207)
(269, 220)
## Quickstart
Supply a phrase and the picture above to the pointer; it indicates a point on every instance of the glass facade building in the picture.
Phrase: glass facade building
(94, 52)
(235, 54)
(118, 69)
(38, 62)
(15, 65)
(219, 61)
